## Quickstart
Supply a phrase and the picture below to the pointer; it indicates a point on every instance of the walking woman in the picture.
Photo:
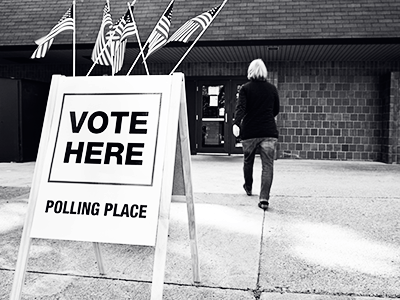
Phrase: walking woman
(256, 109)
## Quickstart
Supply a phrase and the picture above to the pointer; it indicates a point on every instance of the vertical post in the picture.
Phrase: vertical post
(112, 51)
(74, 40)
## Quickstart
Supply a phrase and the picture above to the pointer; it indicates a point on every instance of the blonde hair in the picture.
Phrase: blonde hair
(257, 70)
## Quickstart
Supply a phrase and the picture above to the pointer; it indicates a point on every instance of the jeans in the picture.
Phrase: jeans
(267, 153)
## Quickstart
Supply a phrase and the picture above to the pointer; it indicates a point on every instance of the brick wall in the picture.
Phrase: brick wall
(392, 119)
(329, 110)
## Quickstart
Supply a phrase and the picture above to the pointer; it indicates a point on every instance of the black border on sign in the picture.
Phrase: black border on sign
(105, 183)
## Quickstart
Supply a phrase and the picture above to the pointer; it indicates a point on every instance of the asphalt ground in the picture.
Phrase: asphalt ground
(332, 233)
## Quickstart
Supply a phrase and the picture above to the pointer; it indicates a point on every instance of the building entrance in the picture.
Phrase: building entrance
(214, 107)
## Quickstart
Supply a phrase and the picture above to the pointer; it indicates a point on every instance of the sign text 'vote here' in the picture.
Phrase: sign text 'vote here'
(100, 144)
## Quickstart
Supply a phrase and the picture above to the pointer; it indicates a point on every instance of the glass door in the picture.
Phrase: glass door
(212, 118)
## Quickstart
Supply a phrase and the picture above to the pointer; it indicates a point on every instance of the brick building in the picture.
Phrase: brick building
(336, 64)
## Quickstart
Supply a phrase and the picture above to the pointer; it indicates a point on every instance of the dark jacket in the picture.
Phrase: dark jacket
(257, 105)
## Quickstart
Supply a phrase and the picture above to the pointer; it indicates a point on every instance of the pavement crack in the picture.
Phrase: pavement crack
(257, 292)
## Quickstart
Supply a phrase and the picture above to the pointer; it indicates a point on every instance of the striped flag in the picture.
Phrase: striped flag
(119, 55)
(67, 22)
(186, 30)
(123, 29)
(101, 42)
(159, 36)
(126, 26)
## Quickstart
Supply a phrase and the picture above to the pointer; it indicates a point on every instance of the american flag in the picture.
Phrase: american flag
(159, 36)
(124, 28)
(186, 30)
(67, 22)
(101, 42)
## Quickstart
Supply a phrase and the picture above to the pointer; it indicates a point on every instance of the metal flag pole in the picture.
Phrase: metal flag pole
(98, 57)
(101, 53)
(74, 40)
(147, 42)
(112, 50)
(137, 37)
(134, 63)
(198, 37)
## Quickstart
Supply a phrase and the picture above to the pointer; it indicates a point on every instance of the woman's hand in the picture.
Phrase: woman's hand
(236, 130)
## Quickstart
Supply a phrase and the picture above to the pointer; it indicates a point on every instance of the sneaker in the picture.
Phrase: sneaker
(248, 192)
(263, 204)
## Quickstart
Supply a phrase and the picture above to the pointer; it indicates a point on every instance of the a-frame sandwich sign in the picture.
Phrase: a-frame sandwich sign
(114, 152)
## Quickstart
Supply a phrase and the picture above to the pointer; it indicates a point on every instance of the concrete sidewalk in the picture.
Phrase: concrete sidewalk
(332, 232)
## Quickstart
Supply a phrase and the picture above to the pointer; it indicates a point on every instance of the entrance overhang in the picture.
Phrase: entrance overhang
(384, 49)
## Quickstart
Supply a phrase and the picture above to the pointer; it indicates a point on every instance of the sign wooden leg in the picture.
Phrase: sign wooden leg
(23, 253)
(20, 270)
(99, 258)
(160, 256)
(165, 200)
(187, 178)
(193, 239)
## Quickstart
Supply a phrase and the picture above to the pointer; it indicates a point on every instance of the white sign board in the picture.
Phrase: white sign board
(102, 170)
(113, 152)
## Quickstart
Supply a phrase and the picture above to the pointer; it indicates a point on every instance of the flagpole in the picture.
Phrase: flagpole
(98, 56)
(198, 37)
(134, 63)
(111, 44)
(137, 36)
(74, 40)
(112, 51)
(147, 42)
